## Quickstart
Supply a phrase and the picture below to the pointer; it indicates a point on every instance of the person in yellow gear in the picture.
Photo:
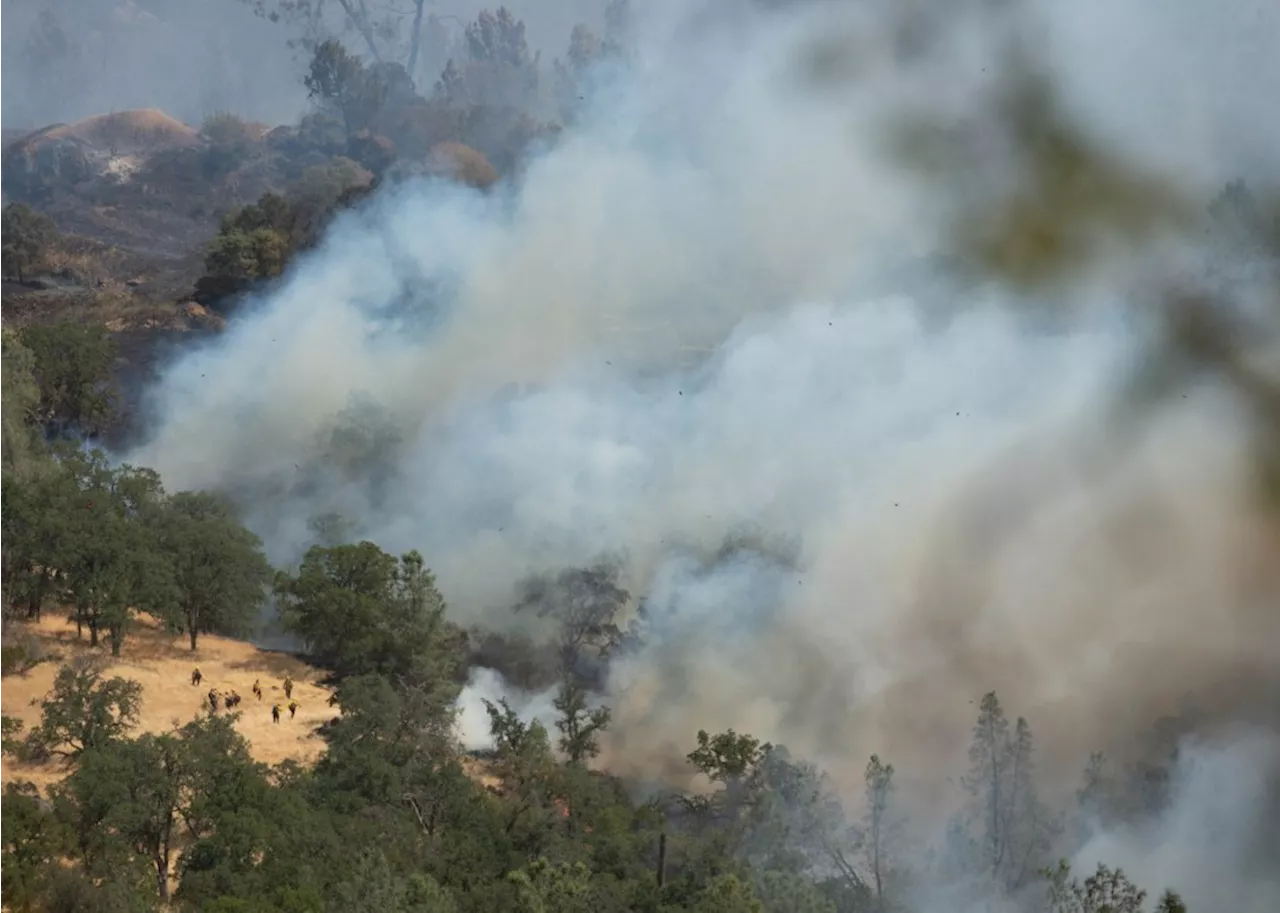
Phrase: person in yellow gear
(195, 677)
(257, 689)
(288, 687)
(275, 713)
(293, 708)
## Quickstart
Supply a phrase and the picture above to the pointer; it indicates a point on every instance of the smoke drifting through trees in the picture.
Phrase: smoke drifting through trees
(690, 319)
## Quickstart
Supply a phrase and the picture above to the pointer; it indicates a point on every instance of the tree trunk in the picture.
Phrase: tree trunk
(415, 37)
(35, 599)
(875, 865)
(192, 634)
(162, 877)
(33, 605)
(358, 16)
(93, 633)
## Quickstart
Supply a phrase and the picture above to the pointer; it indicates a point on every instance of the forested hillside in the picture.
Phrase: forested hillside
(604, 456)
(394, 816)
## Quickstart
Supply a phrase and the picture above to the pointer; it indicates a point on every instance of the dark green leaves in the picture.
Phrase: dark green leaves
(218, 572)
(72, 368)
(360, 610)
(84, 711)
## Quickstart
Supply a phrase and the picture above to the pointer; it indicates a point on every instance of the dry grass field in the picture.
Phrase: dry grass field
(162, 664)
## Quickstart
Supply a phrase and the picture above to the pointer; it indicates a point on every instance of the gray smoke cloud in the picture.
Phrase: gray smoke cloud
(713, 307)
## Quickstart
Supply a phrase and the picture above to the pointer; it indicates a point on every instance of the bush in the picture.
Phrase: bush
(227, 130)
(238, 259)
(322, 133)
(22, 654)
(320, 187)
(256, 254)
(230, 140)
(372, 151)
(27, 235)
(256, 243)
(462, 163)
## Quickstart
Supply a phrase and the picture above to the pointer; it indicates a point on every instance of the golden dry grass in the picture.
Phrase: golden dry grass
(162, 664)
(143, 130)
(82, 259)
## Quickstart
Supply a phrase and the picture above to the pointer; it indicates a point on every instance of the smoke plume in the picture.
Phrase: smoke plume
(719, 304)
(487, 685)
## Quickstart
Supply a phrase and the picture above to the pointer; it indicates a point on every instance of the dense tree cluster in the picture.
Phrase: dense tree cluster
(255, 242)
(107, 541)
(392, 819)
(393, 90)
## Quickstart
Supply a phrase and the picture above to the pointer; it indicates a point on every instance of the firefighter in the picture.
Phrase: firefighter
(288, 687)
(275, 713)
(257, 689)
(293, 708)
(195, 677)
(213, 700)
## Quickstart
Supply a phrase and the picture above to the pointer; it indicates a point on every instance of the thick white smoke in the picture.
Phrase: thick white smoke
(713, 307)
(487, 685)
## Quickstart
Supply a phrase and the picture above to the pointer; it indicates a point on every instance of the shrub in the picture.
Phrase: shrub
(462, 163)
(320, 187)
(22, 654)
(26, 238)
(256, 242)
(230, 140)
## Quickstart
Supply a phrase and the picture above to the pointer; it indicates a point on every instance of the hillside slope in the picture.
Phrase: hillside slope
(162, 664)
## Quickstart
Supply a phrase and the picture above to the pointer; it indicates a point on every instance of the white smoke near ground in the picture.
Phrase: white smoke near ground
(712, 308)
(488, 685)
(1223, 808)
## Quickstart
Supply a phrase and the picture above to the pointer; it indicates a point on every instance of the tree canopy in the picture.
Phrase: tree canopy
(219, 573)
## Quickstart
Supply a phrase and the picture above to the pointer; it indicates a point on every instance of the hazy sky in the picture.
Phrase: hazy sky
(67, 59)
